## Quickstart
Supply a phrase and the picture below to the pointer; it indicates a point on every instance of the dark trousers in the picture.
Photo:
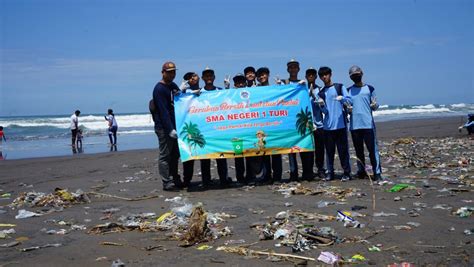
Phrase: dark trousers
(240, 169)
(113, 133)
(272, 167)
(254, 166)
(307, 163)
(206, 170)
(319, 149)
(73, 136)
(168, 159)
(293, 166)
(333, 139)
(367, 136)
(188, 170)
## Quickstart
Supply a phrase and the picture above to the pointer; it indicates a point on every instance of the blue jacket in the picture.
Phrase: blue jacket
(334, 114)
(317, 112)
(164, 103)
(361, 116)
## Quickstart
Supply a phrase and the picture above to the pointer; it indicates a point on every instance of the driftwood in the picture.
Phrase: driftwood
(122, 198)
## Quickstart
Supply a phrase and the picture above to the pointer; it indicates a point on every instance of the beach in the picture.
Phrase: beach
(419, 224)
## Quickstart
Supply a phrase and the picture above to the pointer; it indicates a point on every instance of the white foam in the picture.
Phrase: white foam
(135, 132)
(460, 105)
(429, 106)
(383, 106)
(91, 122)
(410, 111)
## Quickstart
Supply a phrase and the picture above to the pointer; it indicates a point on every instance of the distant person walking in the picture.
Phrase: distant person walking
(74, 127)
(2, 135)
(165, 127)
(113, 127)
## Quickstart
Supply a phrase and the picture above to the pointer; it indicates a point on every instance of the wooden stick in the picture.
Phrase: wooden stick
(281, 255)
(122, 198)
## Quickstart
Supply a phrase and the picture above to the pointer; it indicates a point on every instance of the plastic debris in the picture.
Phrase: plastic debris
(7, 225)
(234, 242)
(204, 247)
(23, 214)
(345, 217)
(118, 263)
(60, 198)
(358, 257)
(10, 244)
(198, 229)
(399, 187)
(40, 247)
(374, 249)
(403, 264)
(468, 231)
(464, 212)
(383, 214)
(328, 257)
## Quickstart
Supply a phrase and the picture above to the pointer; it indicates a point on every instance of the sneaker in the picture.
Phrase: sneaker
(294, 177)
(377, 177)
(171, 187)
(226, 182)
(345, 178)
(362, 175)
(321, 174)
(329, 176)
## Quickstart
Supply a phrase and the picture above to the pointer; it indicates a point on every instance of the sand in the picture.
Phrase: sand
(439, 240)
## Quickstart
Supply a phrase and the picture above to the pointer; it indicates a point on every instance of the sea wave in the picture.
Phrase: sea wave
(419, 110)
(429, 106)
(90, 122)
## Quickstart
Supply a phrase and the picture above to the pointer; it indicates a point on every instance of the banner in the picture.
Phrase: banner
(243, 122)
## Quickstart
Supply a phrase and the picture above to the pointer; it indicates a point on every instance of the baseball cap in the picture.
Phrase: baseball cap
(207, 69)
(311, 70)
(168, 66)
(355, 70)
(249, 69)
(262, 70)
(188, 75)
(291, 62)
(239, 77)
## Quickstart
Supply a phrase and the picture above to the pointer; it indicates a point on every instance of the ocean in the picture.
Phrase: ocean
(44, 136)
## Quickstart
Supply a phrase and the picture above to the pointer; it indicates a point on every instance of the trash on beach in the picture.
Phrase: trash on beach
(245, 251)
(442, 207)
(357, 207)
(40, 247)
(346, 218)
(329, 257)
(23, 214)
(468, 231)
(357, 257)
(107, 228)
(403, 264)
(464, 212)
(399, 187)
(54, 232)
(118, 263)
(374, 249)
(60, 198)
(107, 243)
(402, 227)
(234, 242)
(204, 247)
(7, 225)
(197, 229)
(10, 244)
(383, 214)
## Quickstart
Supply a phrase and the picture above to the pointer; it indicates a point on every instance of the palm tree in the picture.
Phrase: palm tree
(304, 121)
(193, 136)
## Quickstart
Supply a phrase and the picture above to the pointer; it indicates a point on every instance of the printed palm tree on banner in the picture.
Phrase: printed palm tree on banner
(304, 121)
(192, 136)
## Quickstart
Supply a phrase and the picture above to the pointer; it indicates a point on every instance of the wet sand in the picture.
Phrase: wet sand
(435, 162)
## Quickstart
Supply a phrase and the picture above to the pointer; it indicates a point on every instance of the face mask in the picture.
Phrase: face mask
(356, 78)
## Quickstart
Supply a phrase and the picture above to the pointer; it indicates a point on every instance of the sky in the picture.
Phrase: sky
(57, 56)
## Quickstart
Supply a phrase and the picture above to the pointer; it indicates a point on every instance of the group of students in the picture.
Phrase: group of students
(332, 104)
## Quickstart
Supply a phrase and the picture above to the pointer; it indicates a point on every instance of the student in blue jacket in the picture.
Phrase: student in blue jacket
(208, 77)
(332, 100)
(362, 124)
